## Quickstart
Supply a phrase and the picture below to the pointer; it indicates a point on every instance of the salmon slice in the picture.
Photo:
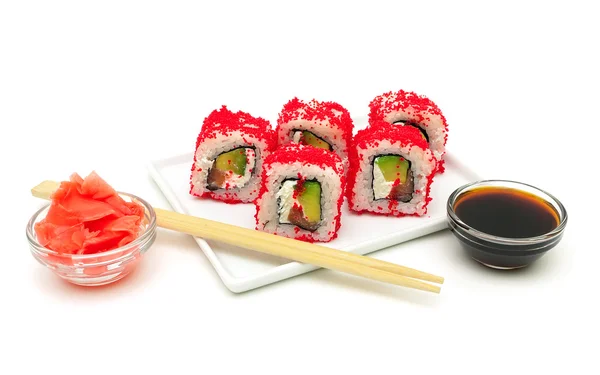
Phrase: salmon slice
(403, 192)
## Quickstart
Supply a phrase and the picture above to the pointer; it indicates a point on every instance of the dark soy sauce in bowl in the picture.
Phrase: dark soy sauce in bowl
(506, 212)
(505, 224)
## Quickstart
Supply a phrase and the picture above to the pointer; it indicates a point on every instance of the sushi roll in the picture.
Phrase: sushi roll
(229, 155)
(301, 194)
(405, 108)
(391, 171)
(325, 125)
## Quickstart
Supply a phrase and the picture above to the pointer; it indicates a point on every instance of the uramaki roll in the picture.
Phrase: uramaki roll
(391, 171)
(228, 160)
(301, 194)
(406, 108)
(321, 124)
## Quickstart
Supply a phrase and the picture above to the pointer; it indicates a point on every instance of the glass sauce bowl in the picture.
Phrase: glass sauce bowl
(502, 251)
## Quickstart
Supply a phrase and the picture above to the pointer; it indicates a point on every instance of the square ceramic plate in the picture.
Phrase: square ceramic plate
(242, 270)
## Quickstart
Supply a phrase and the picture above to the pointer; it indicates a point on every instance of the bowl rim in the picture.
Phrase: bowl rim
(142, 238)
(506, 240)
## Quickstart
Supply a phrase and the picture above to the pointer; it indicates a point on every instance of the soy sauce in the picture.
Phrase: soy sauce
(506, 212)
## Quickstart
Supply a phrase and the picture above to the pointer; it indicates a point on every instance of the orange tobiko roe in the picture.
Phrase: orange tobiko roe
(87, 216)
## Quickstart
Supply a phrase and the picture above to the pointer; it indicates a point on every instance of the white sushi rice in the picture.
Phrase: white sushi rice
(422, 165)
(268, 207)
(210, 148)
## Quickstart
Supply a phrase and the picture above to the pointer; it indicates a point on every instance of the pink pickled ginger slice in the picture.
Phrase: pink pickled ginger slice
(87, 216)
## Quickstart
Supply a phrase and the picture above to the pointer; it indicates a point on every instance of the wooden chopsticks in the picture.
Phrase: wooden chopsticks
(288, 248)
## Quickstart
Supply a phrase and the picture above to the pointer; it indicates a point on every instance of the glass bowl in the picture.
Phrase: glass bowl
(505, 252)
(100, 268)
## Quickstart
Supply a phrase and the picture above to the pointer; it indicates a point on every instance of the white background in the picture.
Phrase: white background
(110, 85)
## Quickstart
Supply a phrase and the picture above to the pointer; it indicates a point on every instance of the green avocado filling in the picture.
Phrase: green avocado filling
(310, 200)
(393, 167)
(309, 138)
(392, 178)
(300, 204)
(234, 161)
(227, 166)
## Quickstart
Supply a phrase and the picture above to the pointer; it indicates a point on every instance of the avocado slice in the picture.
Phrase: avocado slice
(309, 138)
(234, 160)
(310, 200)
(393, 167)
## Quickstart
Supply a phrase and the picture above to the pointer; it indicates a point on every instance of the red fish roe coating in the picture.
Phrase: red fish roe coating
(293, 152)
(381, 130)
(441, 166)
(316, 111)
(334, 113)
(223, 120)
(402, 100)
(308, 155)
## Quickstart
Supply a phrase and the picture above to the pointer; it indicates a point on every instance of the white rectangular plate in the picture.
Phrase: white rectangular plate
(242, 270)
